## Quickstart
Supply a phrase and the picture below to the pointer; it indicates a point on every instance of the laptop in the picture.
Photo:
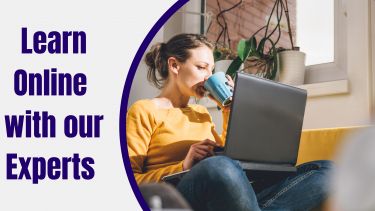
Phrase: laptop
(264, 127)
(265, 124)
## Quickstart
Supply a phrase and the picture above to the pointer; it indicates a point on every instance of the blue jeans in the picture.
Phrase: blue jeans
(219, 183)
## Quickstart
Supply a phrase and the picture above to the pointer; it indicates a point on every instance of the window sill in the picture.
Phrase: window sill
(326, 88)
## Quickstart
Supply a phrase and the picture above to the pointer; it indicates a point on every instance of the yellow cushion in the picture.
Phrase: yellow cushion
(322, 144)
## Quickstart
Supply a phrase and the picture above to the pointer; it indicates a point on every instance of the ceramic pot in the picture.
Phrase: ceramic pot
(222, 65)
(291, 67)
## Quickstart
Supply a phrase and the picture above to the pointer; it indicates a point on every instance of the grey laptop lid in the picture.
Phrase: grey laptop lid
(265, 122)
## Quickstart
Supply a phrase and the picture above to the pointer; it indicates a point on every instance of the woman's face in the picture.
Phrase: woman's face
(195, 71)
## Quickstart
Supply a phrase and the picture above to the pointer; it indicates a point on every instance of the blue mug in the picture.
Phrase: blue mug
(216, 85)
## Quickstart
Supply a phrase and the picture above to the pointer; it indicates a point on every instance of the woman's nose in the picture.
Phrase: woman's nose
(206, 77)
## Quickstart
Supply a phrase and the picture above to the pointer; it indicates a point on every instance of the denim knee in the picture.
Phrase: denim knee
(323, 166)
(218, 183)
(321, 173)
(221, 169)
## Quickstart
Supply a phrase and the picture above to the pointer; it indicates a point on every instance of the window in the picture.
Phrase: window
(323, 38)
(315, 33)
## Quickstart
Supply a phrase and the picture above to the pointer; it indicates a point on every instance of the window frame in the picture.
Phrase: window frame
(336, 70)
(372, 73)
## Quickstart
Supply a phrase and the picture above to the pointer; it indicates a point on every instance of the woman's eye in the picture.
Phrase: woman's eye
(200, 68)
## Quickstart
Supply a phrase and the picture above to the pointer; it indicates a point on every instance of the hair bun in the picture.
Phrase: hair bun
(154, 59)
(163, 46)
(151, 57)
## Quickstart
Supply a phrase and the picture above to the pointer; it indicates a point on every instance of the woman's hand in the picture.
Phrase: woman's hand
(229, 83)
(198, 152)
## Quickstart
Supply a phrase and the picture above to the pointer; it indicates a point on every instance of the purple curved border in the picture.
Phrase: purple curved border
(125, 97)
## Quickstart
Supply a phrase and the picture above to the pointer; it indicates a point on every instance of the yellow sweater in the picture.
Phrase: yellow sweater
(159, 139)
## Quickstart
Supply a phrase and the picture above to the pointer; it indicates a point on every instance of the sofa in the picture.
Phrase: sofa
(323, 144)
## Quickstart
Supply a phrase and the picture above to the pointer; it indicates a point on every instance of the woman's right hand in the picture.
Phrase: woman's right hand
(230, 83)
(198, 152)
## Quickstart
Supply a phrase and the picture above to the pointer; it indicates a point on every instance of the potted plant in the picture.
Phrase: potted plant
(263, 58)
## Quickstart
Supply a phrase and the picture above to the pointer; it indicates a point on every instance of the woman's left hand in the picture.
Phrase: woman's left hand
(229, 83)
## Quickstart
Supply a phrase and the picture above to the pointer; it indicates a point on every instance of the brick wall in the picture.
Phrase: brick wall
(247, 18)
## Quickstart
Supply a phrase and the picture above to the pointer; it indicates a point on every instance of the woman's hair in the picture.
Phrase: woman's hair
(178, 46)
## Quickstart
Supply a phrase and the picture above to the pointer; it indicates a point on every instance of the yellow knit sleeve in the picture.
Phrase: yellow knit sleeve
(225, 113)
(140, 125)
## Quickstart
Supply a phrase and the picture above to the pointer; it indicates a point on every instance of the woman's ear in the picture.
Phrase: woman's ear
(173, 65)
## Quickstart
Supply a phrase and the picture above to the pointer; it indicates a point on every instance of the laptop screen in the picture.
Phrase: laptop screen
(265, 122)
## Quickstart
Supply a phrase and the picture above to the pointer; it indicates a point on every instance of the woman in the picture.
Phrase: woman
(167, 135)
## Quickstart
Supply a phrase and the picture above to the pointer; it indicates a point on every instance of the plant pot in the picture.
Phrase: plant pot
(291, 67)
(222, 65)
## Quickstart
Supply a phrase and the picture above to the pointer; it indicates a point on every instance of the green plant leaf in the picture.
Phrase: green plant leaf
(234, 66)
(253, 48)
(273, 55)
(261, 45)
(253, 43)
(243, 49)
(274, 69)
(255, 53)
